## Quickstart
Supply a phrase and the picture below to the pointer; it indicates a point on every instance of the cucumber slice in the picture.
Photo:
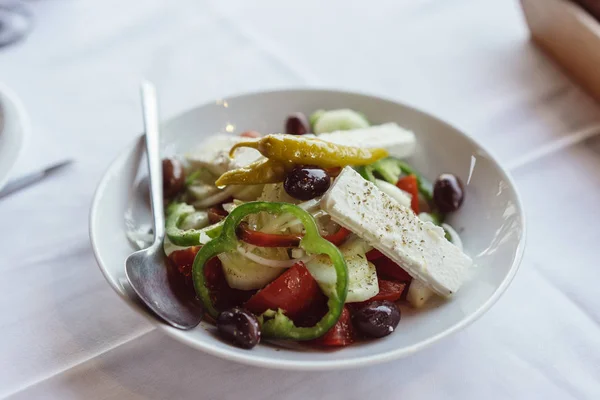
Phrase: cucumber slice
(244, 274)
(337, 120)
(362, 275)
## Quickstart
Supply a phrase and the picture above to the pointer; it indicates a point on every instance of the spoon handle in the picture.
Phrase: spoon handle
(150, 110)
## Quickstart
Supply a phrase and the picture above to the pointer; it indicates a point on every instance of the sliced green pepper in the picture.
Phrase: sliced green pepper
(366, 171)
(275, 324)
(176, 213)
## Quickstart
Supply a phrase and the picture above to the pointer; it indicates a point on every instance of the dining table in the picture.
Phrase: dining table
(64, 333)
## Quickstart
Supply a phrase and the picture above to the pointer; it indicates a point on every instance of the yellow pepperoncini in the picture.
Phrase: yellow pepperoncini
(259, 172)
(311, 151)
(282, 152)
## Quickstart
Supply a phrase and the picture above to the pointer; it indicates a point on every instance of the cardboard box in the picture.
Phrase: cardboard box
(570, 35)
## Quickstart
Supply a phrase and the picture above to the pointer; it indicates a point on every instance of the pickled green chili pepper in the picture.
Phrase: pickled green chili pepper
(259, 172)
(311, 151)
(275, 324)
(176, 213)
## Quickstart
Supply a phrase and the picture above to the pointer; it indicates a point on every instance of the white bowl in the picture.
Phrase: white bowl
(13, 131)
(491, 220)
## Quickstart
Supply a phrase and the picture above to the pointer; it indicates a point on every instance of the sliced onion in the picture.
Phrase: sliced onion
(271, 263)
(216, 198)
(310, 204)
(279, 221)
(294, 222)
(229, 207)
(298, 253)
(454, 237)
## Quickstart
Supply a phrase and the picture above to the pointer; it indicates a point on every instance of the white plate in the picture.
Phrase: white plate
(13, 130)
(491, 220)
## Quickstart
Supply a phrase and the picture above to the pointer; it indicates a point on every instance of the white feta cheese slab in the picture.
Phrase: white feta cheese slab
(418, 246)
(213, 154)
(399, 142)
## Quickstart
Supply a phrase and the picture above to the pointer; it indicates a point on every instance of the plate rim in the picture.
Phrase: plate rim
(273, 363)
(19, 127)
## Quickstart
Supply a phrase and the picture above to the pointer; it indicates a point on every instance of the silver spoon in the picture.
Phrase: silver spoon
(163, 292)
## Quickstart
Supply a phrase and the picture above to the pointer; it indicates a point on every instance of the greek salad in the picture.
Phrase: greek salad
(313, 235)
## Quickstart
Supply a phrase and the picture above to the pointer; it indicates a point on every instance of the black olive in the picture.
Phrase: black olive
(173, 177)
(297, 124)
(239, 327)
(377, 318)
(448, 193)
(306, 182)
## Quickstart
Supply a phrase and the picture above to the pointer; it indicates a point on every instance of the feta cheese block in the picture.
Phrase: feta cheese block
(213, 154)
(418, 246)
(398, 141)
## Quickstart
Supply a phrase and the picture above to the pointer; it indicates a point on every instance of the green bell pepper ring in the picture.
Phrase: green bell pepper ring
(275, 324)
(176, 213)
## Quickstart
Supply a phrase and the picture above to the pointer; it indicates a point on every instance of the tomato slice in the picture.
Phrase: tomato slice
(389, 290)
(374, 254)
(338, 237)
(223, 296)
(388, 268)
(294, 291)
(342, 333)
(266, 239)
(216, 214)
(409, 184)
(183, 260)
(263, 239)
(333, 171)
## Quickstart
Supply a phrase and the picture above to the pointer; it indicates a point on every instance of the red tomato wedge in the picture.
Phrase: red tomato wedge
(338, 237)
(216, 214)
(388, 268)
(342, 333)
(223, 295)
(374, 254)
(263, 239)
(410, 185)
(183, 260)
(389, 290)
(266, 239)
(333, 171)
(294, 291)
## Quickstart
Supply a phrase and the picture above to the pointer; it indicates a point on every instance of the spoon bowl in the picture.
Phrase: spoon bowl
(148, 271)
(162, 289)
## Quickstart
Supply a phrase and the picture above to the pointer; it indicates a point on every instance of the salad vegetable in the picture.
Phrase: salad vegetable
(391, 169)
(261, 171)
(312, 238)
(176, 215)
(337, 120)
(274, 323)
(304, 150)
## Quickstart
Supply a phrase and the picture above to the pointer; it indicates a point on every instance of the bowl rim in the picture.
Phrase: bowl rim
(249, 358)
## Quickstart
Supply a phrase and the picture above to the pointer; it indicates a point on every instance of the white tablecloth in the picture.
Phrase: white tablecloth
(64, 334)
